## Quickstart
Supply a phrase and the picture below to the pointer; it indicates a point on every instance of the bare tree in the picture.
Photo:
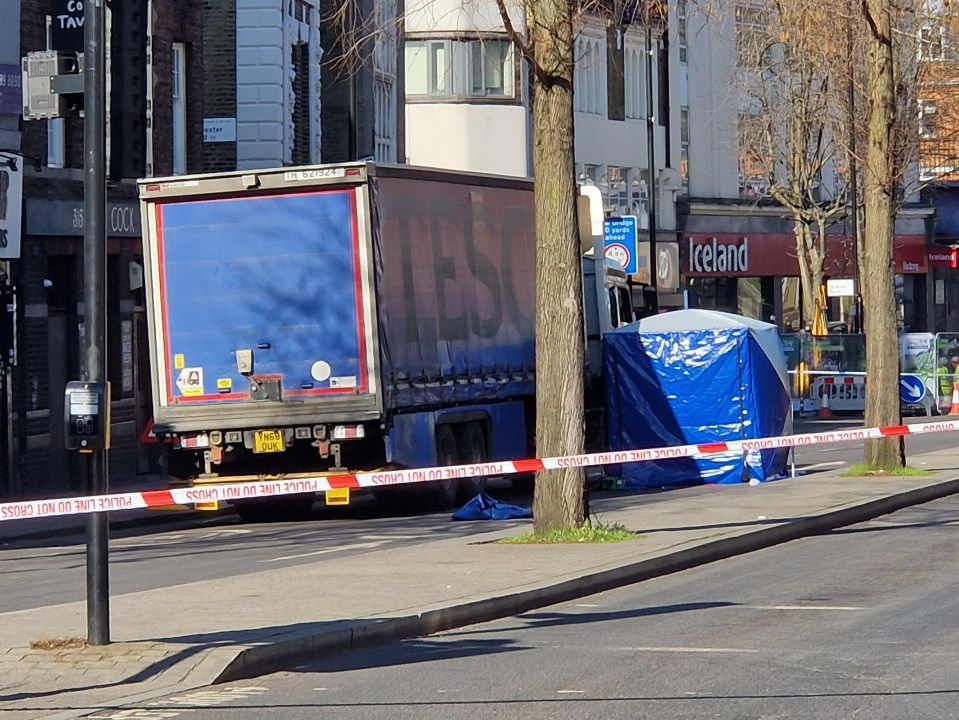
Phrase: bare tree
(829, 77)
(542, 31)
(788, 129)
(558, 500)
(548, 47)
(880, 186)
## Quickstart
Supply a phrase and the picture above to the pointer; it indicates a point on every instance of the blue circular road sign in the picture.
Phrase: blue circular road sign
(911, 388)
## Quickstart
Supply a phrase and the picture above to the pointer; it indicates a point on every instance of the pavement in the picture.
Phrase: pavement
(182, 638)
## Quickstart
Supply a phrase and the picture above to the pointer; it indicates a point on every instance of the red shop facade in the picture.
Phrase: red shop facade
(747, 264)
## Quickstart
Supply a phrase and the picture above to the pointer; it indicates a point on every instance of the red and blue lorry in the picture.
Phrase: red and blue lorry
(340, 318)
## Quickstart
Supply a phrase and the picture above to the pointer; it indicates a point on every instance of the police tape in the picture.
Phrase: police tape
(227, 492)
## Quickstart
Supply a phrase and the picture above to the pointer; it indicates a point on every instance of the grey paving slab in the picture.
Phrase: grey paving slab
(334, 603)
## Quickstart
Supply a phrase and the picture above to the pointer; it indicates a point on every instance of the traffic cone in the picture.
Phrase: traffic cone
(824, 412)
(954, 408)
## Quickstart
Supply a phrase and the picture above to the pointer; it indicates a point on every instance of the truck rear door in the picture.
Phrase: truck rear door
(260, 304)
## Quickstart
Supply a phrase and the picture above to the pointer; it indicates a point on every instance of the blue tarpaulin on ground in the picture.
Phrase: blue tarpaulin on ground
(696, 376)
(484, 507)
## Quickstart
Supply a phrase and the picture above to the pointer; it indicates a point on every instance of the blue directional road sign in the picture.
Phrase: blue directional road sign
(620, 236)
(911, 388)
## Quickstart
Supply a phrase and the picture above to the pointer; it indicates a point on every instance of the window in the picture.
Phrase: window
(384, 120)
(928, 112)
(179, 108)
(615, 75)
(586, 81)
(590, 174)
(681, 29)
(635, 79)
(301, 11)
(639, 198)
(684, 146)
(300, 87)
(384, 82)
(931, 43)
(615, 189)
(750, 43)
(460, 68)
(56, 140)
(490, 61)
(753, 165)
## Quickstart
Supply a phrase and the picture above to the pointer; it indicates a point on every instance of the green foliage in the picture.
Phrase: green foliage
(867, 471)
(585, 533)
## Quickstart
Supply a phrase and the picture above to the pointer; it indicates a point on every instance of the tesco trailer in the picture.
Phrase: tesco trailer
(339, 318)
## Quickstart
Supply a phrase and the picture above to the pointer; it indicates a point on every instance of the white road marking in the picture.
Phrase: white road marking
(327, 551)
(818, 466)
(802, 607)
(176, 705)
(684, 650)
(226, 531)
(570, 692)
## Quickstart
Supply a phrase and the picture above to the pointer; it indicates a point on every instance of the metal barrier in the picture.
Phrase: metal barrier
(835, 364)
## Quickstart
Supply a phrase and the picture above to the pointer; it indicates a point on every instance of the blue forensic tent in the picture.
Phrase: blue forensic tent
(695, 376)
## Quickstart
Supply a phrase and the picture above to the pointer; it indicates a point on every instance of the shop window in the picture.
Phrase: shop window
(792, 310)
(714, 293)
(749, 298)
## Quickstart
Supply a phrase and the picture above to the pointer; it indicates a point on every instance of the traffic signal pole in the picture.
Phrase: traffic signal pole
(94, 304)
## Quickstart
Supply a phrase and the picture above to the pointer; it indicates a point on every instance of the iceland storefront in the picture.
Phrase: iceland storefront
(747, 264)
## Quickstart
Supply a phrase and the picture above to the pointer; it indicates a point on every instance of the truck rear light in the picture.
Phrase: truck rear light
(216, 437)
(303, 433)
(202, 440)
(234, 437)
(348, 432)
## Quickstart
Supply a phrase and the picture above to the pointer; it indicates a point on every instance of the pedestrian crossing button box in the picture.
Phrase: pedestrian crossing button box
(86, 410)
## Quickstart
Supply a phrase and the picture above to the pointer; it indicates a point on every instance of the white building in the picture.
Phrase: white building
(294, 105)
(467, 108)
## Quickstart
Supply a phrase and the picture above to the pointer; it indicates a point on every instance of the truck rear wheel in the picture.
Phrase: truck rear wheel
(471, 448)
(444, 492)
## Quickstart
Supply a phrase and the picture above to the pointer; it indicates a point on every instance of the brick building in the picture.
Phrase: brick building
(235, 84)
(938, 125)
(155, 129)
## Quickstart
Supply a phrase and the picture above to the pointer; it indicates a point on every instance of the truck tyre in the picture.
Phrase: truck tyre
(471, 448)
(444, 492)
(278, 509)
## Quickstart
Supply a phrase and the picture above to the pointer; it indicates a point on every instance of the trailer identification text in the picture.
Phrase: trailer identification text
(314, 174)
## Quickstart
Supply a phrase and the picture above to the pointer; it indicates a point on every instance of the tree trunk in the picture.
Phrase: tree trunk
(879, 292)
(811, 257)
(558, 498)
(801, 231)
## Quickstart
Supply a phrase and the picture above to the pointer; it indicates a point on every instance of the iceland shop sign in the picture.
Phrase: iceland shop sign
(715, 257)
